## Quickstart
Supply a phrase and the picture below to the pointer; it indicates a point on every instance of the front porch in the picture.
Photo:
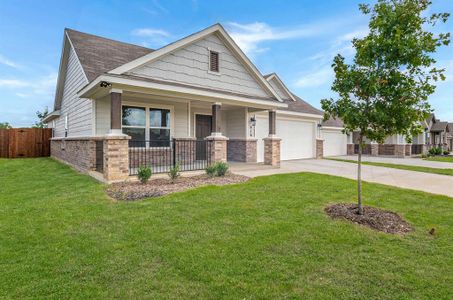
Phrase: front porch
(159, 130)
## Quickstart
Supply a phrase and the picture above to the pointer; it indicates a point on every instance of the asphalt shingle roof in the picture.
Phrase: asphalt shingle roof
(98, 55)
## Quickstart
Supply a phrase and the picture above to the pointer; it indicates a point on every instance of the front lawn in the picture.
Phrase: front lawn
(441, 158)
(448, 172)
(62, 237)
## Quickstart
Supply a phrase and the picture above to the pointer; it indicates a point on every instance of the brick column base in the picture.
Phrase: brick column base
(217, 149)
(350, 149)
(400, 150)
(374, 149)
(319, 148)
(272, 151)
(116, 158)
(408, 150)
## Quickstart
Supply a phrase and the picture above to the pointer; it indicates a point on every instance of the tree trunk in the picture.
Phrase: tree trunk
(359, 177)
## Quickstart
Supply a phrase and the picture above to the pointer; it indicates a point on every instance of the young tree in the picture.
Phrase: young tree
(41, 116)
(5, 125)
(384, 91)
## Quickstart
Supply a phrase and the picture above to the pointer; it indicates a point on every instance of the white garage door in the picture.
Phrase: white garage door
(297, 137)
(335, 143)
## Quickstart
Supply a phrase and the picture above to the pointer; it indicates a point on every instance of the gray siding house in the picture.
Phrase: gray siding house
(194, 102)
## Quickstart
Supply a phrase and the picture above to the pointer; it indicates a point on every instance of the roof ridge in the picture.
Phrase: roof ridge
(105, 38)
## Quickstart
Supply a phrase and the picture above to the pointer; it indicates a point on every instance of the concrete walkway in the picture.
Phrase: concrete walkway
(426, 182)
(401, 161)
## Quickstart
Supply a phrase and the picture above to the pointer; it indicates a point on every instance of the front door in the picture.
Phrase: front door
(203, 128)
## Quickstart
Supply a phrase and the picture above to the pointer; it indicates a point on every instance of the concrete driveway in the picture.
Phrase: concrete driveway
(402, 161)
(426, 182)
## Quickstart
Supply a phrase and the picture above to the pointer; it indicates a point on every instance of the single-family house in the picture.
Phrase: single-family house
(193, 102)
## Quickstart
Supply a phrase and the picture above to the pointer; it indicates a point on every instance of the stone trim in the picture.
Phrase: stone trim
(217, 148)
(116, 160)
(272, 151)
(319, 148)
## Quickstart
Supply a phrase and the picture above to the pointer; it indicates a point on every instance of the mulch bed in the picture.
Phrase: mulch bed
(374, 218)
(163, 186)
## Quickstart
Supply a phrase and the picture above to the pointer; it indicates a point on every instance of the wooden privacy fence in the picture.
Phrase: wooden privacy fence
(25, 142)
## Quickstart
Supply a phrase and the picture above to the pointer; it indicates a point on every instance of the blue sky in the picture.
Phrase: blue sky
(296, 39)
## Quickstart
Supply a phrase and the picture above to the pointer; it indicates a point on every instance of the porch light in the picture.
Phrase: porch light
(253, 121)
(319, 125)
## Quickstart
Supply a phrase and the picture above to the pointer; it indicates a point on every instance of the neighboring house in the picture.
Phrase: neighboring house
(435, 134)
(194, 101)
(440, 131)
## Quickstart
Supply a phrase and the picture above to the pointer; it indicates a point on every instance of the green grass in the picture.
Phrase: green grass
(448, 172)
(62, 237)
(441, 158)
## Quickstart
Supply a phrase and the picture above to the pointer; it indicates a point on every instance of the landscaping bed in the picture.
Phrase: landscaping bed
(374, 218)
(160, 187)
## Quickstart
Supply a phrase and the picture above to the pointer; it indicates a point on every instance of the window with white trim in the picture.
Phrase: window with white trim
(159, 127)
(148, 125)
(134, 122)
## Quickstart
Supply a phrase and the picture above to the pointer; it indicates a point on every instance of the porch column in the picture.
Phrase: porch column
(272, 143)
(216, 127)
(115, 112)
(217, 142)
(272, 122)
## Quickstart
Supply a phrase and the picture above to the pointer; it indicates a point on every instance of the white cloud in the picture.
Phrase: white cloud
(42, 86)
(152, 37)
(150, 32)
(315, 78)
(341, 45)
(249, 36)
(12, 83)
(7, 62)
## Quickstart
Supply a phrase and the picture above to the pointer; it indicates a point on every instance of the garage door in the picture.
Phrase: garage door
(335, 143)
(297, 138)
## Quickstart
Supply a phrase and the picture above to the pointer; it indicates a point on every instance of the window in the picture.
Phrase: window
(134, 124)
(147, 126)
(159, 127)
(213, 61)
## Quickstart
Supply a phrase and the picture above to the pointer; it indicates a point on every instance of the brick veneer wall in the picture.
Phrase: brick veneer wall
(217, 148)
(319, 148)
(242, 150)
(350, 149)
(79, 153)
(272, 151)
(387, 149)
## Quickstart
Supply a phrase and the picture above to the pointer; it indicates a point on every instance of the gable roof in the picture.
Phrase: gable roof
(439, 126)
(276, 78)
(217, 29)
(98, 55)
(333, 122)
(301, 106)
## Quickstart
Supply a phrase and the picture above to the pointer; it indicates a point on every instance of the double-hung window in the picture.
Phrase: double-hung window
(134, 124)
(148, 127)
(159, 127)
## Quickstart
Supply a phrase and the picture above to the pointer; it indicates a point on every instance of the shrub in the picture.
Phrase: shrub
(175, 172)
(144, 173)
(217, 169)
(435, 151)
(221, 168)
(211, 170)
(446, 152)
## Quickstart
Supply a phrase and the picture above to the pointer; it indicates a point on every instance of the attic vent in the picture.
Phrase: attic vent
(213, 61)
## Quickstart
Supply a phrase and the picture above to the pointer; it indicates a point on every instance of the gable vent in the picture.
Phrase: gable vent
(213, 61)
